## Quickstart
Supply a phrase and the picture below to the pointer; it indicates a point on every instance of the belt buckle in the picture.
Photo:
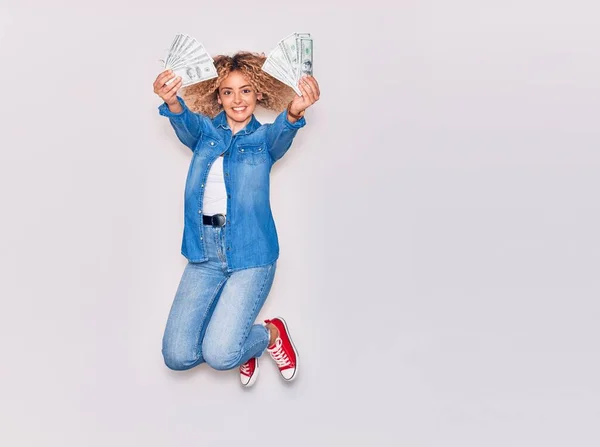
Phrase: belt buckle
(218, 220)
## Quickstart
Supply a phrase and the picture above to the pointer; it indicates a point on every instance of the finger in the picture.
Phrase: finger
(308, 88)
(165, 73)
(166, 87)
(312, 82)
(304, 99)
(315, 85)
(163, 78)
(171, 90)
(171, 80)
(174, 86)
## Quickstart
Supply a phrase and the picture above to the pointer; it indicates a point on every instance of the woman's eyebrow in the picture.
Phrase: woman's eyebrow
(231, 88)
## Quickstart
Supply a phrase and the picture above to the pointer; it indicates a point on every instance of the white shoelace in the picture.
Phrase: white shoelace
(279, 354)
(245, 369)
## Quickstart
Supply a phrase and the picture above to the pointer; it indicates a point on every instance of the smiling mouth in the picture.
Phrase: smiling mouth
(239, 109)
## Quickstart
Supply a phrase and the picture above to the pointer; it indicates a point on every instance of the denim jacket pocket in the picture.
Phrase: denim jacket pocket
(252, 154)
(208, 144)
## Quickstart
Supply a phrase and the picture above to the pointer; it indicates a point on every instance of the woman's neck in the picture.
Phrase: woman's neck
(236, 126)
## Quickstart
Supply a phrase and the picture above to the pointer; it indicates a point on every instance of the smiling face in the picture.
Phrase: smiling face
(238, 98)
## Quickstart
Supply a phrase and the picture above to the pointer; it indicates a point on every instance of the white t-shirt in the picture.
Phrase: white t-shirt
(215, 194)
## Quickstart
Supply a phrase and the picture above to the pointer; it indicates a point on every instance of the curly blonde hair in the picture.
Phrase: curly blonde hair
(202, 97)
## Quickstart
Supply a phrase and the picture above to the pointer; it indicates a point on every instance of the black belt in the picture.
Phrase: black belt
(217, 220)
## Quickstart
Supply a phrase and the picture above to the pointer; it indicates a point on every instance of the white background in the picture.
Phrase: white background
(438, 220)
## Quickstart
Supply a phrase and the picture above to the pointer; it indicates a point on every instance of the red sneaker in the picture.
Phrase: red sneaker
(249, 372)
(283, 350)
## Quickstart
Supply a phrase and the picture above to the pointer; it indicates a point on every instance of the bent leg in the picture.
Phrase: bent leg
(192, 308)
(232, 338)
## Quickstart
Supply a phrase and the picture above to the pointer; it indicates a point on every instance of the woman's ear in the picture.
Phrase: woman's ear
(219, 99)
(259, 96)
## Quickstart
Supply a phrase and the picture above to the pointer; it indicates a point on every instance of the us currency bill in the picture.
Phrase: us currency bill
(190, 48)
(291, 51)
(192, 74)
(306, 56)
(278, 67)
(189, 59)
(270, 67)
(291, 59)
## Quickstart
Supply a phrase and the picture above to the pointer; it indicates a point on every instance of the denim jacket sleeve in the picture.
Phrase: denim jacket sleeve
(280, 135)
(188, 125)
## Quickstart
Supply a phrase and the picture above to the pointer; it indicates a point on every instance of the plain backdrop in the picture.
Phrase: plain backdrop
(438, 219)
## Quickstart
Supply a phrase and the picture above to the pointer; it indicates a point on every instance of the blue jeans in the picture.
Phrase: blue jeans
(213, 313)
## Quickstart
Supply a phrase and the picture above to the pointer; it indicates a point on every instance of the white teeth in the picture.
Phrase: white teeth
(239, 109)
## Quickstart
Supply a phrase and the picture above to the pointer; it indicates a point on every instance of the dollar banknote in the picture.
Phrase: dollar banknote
(189, 59)
(306, 56)
(270, 67)
(291, 59)
(291, 51)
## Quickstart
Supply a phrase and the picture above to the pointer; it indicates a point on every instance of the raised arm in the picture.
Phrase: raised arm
(188, 125)
(281, 133)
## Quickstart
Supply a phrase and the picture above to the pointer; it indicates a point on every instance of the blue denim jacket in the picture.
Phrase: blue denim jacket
(251, 236)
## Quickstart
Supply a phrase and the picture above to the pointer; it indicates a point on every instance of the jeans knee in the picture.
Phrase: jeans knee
(179, 361)
(220, 357)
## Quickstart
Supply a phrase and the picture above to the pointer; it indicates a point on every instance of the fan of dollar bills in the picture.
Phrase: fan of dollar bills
(291, 59)
(189, 59)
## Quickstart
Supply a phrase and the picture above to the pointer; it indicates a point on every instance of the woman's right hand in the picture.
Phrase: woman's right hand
(168, 93)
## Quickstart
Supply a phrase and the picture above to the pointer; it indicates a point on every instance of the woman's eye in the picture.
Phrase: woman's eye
(247, 91)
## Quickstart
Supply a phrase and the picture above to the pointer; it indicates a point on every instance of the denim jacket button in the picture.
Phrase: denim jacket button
(212, 143)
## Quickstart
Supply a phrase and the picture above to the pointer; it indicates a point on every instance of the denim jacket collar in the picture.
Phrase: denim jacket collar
(221, 121)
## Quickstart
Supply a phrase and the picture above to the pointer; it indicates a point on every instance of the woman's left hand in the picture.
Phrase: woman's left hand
(310, 94)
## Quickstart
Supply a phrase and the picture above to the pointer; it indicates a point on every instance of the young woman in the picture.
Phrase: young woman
(229, 236)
